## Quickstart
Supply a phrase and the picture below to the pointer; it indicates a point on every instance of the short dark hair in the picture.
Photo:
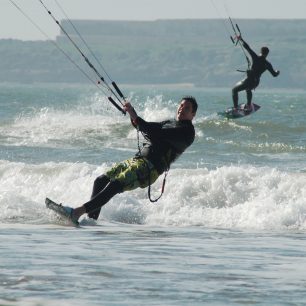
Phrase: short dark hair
(265, 51)
(193, 102)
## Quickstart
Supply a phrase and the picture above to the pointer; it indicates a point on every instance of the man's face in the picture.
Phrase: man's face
(184, 111)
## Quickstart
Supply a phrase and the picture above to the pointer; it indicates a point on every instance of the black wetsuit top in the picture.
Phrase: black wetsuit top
(166, 141)
(259, 65)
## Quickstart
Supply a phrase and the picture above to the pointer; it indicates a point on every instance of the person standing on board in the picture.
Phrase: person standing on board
(258, 67)
(165, 142)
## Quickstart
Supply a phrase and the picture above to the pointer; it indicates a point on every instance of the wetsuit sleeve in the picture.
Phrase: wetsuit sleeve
(150, 128)
(271, 69)
(179, 136)
(248, 48)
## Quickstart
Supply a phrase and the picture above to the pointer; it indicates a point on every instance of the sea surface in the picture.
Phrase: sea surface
(230, 228)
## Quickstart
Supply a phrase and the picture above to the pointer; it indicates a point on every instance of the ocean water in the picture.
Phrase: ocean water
(229, 229)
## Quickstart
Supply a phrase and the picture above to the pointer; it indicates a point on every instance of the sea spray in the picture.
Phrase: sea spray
(226, 197)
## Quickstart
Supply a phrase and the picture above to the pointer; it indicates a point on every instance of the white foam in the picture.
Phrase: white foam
(86, 123)
(47, 127)
(234, 197)
(226, 197)
(23, 187)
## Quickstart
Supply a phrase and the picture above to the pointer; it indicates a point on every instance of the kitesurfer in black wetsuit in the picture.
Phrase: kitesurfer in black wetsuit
(165, 142)
(259, 66)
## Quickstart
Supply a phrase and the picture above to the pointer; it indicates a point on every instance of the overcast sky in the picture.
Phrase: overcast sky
(14, 25)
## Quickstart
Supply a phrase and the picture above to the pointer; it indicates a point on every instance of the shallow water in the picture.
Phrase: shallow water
(119, 264)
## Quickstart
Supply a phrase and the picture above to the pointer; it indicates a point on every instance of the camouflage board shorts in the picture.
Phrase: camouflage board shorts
(133, 173)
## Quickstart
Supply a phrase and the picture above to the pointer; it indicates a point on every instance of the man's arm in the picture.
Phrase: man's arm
(150, 128)
(131, 111)
(179, 136)
(270, 68)
(175, 135)
(248, 48)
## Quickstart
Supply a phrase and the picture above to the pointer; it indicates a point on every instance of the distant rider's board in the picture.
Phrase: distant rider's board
(61, 210)
(242, 111)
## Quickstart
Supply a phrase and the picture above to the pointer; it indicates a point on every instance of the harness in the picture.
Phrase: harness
(149, 171)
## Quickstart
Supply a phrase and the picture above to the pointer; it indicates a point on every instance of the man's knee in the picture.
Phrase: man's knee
(235, 90)
(101, 180)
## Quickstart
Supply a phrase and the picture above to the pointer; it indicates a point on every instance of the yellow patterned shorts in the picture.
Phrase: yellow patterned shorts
(133, 173)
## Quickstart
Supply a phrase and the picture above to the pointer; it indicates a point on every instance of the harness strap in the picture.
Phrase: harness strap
(149, 172)
(149, 187)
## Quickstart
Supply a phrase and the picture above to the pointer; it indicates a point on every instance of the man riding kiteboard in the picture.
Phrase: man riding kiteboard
(165, 142)
(258, 67)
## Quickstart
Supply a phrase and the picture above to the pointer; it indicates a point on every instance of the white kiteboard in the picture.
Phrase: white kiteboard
(61, 210)
(242, 111)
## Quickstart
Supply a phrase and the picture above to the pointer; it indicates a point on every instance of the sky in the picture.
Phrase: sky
(13, 24)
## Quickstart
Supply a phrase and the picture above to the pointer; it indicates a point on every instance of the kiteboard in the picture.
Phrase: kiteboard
(63, 211)
(242, 111)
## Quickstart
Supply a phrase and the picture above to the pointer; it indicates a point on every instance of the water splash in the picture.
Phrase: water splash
(226, 197)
